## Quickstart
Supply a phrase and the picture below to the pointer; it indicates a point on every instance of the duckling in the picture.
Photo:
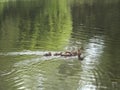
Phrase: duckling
(48, 54)
(67, 54)
(57, 54)
(74, 53)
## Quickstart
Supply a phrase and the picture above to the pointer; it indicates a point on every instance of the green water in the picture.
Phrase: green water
(30, 28)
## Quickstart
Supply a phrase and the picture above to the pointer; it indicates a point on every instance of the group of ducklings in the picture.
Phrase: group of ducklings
(66, 54)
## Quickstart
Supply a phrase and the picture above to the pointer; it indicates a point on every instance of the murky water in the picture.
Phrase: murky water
(30, 28)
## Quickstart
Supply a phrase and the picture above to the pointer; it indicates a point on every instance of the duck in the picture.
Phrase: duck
(79, 55)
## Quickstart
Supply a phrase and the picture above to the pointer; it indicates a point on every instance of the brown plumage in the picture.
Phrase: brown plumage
(48, 54)
(67, 54)
(57, 54)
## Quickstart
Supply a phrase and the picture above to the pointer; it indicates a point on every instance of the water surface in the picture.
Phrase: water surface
(30, 28)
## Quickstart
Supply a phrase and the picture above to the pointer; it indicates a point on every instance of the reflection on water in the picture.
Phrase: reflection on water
(29, 29)
(88, 76)
(35, 25)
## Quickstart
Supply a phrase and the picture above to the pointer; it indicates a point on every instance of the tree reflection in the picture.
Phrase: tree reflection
(39, 24)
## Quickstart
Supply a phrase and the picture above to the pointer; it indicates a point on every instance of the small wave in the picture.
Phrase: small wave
(26, 52)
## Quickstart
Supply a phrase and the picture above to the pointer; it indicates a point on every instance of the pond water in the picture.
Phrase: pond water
(30, 28)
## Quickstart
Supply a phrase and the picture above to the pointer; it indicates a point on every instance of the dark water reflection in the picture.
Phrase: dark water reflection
(28, 29)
